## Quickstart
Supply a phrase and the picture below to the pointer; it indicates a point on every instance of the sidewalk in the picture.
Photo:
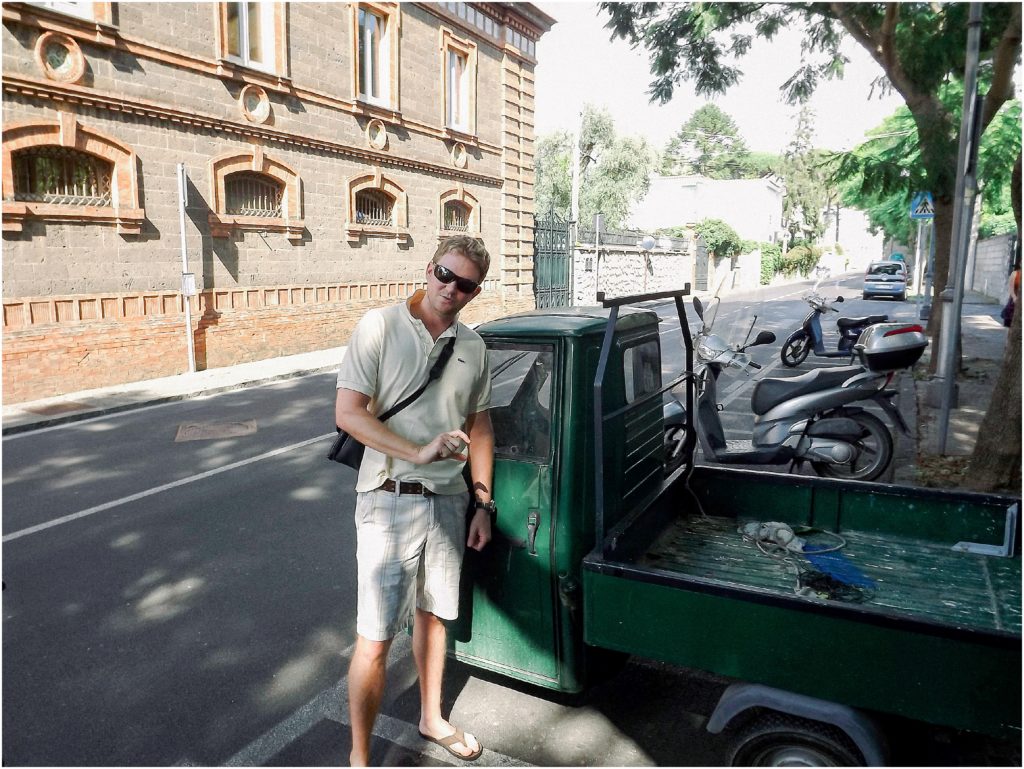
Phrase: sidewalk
(915, 463)
(31, 415)
(983, 340)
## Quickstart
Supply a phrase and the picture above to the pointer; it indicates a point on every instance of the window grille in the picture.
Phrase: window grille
(61, 175)
(374, 208)
(250, 194)
(456, 216)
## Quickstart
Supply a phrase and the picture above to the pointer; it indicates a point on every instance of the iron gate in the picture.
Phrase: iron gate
(552, 262)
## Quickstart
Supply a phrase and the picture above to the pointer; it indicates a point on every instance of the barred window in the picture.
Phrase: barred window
(61, 175)
(456, 216)
(374, 208)
(252, 194)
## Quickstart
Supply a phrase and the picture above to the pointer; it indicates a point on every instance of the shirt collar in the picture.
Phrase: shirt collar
(415, 299)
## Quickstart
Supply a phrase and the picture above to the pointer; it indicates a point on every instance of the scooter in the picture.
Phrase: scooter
(807, 418)
(809, 336)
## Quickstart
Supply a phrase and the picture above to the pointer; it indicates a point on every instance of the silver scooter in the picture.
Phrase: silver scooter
(807, 418)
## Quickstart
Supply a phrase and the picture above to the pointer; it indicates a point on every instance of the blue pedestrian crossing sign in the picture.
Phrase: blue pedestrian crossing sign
(922, 206)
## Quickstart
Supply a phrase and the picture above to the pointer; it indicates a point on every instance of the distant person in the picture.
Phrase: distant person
(1014, 300)
(411, 497)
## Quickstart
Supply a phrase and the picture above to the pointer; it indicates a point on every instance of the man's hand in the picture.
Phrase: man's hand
(445, 446)
(479, 530)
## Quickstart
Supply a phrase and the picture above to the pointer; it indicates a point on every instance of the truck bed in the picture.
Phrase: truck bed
(911, 577)
(934, 634)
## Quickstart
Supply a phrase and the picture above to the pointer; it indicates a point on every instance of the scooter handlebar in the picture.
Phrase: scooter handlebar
(755, 364)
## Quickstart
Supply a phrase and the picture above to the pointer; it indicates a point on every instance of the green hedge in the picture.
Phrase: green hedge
(771, 261)
(800, 259)
(719, 238)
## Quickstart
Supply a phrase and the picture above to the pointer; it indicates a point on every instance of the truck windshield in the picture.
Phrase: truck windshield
(521, 400)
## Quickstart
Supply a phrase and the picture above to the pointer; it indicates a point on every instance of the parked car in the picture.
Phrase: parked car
(886, 279)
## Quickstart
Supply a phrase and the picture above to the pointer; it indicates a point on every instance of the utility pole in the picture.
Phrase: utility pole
(574, 212)
(963, 207)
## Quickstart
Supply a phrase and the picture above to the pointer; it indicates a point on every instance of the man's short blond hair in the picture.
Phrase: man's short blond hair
(470, 247)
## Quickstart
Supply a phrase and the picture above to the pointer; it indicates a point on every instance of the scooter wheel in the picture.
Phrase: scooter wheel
(873, 451)
(795, 350)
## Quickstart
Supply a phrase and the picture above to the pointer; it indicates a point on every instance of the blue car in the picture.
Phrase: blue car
(886, 279)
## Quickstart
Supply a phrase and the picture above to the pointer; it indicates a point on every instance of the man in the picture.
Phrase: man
(411, 496)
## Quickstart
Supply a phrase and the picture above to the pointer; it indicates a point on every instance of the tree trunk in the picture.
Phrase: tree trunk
(995, 463)
(943, 234)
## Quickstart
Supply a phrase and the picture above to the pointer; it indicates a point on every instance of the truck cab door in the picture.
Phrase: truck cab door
(507, 615)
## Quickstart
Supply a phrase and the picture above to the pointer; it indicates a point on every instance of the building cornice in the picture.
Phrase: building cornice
(62, 94)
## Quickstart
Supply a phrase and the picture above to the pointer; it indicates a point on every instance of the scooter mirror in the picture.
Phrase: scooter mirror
(840, 299)
(698, 307)
(764, 337)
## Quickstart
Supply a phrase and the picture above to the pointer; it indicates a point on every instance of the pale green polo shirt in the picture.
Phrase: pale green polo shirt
(388, 358)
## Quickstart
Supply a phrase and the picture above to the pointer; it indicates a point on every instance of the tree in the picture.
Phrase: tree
(614, 171)
(995, 462)
(808, 186)
(708, 144)
(919, 47)
(882, 174)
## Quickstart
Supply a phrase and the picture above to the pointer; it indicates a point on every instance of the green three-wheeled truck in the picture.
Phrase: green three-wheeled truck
(597, 547)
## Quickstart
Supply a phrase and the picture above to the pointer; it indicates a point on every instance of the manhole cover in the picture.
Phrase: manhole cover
(209, 431)
(59, 408)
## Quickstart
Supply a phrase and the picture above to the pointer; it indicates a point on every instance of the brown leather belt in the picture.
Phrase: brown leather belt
(403, 487)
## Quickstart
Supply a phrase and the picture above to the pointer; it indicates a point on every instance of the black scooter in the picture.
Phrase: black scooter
(809, 336)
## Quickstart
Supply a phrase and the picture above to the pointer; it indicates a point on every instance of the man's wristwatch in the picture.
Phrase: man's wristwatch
(489, 506)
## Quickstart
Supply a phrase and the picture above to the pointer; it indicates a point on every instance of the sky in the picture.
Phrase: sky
(577, 64)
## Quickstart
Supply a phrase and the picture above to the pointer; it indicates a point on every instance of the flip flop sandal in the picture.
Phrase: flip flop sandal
(458, 737)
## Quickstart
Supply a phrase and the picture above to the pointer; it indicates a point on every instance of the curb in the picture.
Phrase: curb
(156, 401)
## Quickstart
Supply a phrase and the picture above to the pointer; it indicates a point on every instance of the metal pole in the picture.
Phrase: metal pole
(966, 189)
(929, 271)
(574, 212)
(187, 278)
(919, 257)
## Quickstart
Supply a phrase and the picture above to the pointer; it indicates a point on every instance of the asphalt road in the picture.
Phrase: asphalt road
(191, 602)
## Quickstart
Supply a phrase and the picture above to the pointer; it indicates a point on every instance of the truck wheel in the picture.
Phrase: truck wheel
(777, 739)
(795, 350)
(874, 451)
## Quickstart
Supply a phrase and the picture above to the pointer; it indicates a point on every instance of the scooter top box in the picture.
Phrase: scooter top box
(891, 346)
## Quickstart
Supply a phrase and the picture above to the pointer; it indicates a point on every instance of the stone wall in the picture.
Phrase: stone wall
(627, 271)
(990, 271)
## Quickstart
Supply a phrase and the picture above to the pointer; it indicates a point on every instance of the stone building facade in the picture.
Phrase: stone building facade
(327, 147)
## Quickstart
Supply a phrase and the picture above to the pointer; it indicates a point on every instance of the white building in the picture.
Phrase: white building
(752, 207)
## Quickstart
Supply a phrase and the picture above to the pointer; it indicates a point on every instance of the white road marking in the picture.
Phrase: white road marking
(332, 704)
(158, 489)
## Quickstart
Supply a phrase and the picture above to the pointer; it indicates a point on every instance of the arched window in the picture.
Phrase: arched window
(64, 171)
(61, 175)
(456, 216)
(458, 212)
(252, 194)
(250, 191)
(374, 208)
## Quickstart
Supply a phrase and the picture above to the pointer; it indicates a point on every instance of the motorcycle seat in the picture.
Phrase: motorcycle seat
(769, 393)
(868, 320)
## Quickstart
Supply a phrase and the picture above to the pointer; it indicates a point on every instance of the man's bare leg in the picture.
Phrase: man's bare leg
(429, 645)
(366, 676)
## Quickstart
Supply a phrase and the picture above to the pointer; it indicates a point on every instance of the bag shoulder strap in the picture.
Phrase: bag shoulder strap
(435, 372)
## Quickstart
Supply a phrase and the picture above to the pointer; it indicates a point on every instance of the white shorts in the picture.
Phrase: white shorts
(409, 552)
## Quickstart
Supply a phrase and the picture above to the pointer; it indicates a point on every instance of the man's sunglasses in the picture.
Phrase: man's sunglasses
(465, 285)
